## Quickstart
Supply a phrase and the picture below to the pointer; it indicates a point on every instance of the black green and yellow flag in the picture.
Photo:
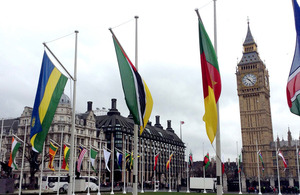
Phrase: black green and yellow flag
(137, 94)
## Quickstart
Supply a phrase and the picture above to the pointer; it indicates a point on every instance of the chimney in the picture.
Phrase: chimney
(169, 124)
(157, 123)
(157, 120)
(113, 109)
(169, 128)
(113, 104)
(89, 106)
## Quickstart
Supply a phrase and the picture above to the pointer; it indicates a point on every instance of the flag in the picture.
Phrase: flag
(190, 160)
(223, 168)
(169, 161)
(14, 149)
(155, 161)
(261, 159)
(182, 122)
(65, 164)
(293, 84)
(283, 159)
(119, 159)
(93, 157)
(106, 158)
(137, 95)
(129, 161)
(50, 88)
(80, 158)
(52, 152)
(240, 163)
(211, 81)
(206, 161)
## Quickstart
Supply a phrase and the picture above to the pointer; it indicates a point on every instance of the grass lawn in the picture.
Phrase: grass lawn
(166, 193)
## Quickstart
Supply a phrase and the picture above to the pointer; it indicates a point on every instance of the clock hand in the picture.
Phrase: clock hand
(250, 80)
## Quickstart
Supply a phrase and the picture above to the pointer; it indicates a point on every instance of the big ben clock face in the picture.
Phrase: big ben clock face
(249, 80)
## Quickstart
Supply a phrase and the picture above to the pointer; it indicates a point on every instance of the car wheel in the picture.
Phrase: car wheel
(61, 190)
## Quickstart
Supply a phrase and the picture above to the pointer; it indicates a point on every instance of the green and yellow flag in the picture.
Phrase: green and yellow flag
(211, 81)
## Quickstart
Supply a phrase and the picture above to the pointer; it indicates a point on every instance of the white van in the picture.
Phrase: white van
(93, 185)
(50, 182)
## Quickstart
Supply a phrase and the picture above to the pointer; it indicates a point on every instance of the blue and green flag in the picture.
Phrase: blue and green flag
(50, 88)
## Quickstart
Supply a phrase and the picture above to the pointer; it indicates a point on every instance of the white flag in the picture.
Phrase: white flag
(106, 158)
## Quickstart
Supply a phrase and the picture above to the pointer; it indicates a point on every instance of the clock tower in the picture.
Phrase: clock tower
(255, 113)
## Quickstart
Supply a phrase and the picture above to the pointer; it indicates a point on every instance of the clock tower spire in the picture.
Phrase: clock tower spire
(255, 112)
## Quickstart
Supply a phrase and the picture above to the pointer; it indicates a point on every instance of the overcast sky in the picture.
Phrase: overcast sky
(168, 57)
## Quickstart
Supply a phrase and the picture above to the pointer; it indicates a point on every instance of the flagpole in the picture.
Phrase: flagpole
(297, 154)
(204, 190)
(258, 172)
(154, 175)
(71, 172)
(99, 176)
(124, 165)
(187, 174)
(135, 162)
(142, 190)
(60, 151)
(169, 171)
(24, 143)
(112, 163)
(238, 162)
(180, 130)
(90, 165)
(1, 140)
(218, 138)
(279, 192)
(41, 178)
(74, 164)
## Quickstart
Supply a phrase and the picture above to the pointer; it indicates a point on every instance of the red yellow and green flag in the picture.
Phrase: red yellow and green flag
(65, 164)
(52, 152)
(137, 94)
(169, 161)
(211, 81)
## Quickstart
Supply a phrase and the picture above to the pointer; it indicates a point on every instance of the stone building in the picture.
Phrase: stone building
(118, 132)
(253, 90)
(111, 130)
(60, 128)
